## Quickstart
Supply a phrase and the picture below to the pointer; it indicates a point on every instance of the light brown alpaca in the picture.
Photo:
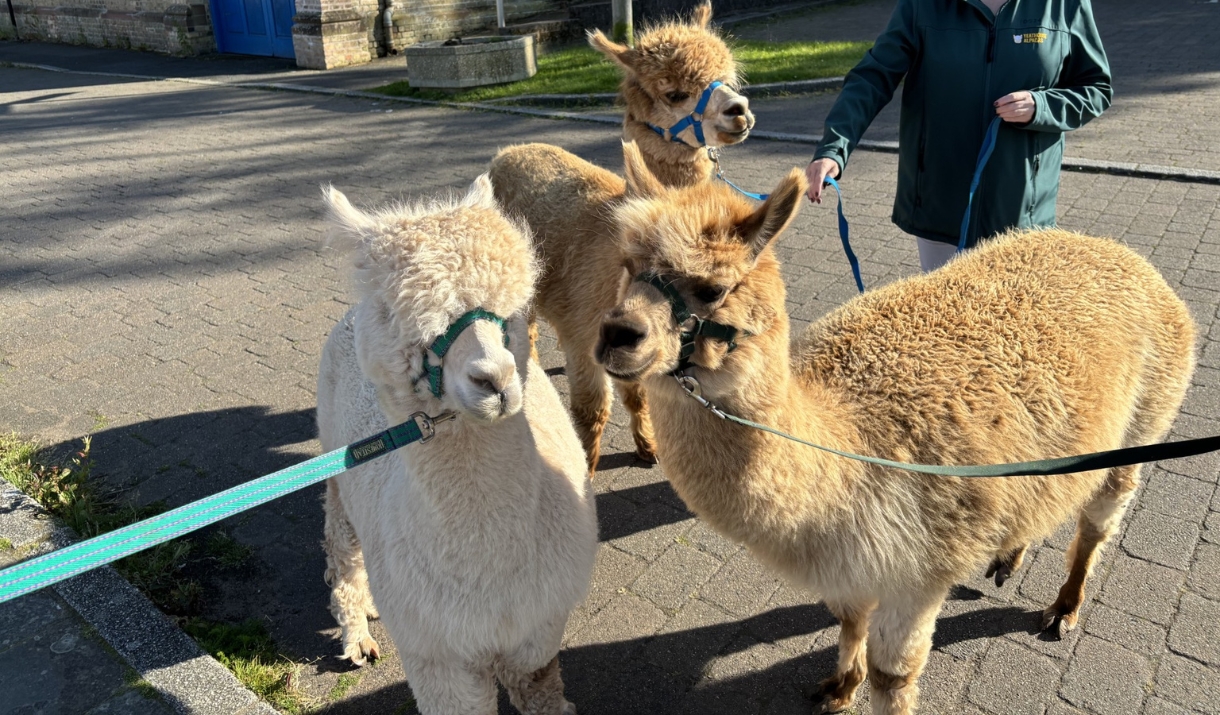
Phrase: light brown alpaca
(1038, 344)
(566, 200)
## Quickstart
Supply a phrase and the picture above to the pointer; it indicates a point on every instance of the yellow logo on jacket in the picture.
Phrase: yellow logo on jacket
(1030, 38)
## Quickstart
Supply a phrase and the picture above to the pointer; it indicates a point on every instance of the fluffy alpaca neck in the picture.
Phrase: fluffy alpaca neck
(760, 489)
(674, 164)
(463, 466)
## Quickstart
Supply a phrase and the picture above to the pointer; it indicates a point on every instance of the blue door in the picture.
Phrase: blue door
(253, 27)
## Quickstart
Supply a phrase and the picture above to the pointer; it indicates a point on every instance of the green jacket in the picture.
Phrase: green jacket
(958, 59)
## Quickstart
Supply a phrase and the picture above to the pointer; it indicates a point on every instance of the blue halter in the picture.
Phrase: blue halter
(694, 119)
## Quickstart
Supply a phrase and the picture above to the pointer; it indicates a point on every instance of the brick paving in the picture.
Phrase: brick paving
(163, 287)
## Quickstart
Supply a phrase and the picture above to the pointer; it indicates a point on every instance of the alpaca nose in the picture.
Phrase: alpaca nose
(737, 108)
(492, 382)
(623, 335)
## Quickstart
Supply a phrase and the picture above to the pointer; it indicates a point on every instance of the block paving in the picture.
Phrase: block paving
(164, 287)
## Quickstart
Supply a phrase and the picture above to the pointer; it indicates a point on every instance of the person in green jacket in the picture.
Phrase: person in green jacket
(1036, 64)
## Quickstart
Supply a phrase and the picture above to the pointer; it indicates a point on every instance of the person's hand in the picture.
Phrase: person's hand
(816, 172)
(1016, 108)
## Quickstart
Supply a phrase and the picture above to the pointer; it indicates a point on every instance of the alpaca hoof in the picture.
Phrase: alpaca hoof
(1002, 575)
(646, 454)
(360, 652)
(1057, 623)
(568, 709)
(830, 697)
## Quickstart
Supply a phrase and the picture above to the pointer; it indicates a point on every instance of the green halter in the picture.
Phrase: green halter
(682, 315)
(441, 345)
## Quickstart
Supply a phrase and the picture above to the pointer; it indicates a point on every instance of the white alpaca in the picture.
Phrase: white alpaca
(480, 542)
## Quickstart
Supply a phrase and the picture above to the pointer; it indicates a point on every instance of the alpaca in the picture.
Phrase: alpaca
(566, 200)
(1036, 344)
(479, 542)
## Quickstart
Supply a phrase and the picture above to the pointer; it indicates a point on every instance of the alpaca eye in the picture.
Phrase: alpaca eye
(676, 97)
(709, 294)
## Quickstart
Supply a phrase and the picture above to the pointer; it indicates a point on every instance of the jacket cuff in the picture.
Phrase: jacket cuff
(1042, 120)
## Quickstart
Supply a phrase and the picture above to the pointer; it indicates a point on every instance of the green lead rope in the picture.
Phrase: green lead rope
(1124, 457)
(65, 563)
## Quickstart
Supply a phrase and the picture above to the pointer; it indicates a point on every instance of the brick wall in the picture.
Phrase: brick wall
(333, 33)
(162, 25)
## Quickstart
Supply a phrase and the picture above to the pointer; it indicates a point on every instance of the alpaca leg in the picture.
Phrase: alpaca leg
(535, 692)
(351, 603)
(899, 640)
(590, 391)
(1098, 520)
(1004, 566)
(632, 395)
(838, 692)
(533, 333)
(444, 687)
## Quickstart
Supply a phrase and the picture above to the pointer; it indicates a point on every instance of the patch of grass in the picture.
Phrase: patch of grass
(140, 685)
(63, 488)
(248, 650)
(100, 421)
(230, 552)
(582, 70)
(344, 684)
(5, 544)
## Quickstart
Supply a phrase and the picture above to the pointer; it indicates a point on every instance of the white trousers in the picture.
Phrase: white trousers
(934, 254)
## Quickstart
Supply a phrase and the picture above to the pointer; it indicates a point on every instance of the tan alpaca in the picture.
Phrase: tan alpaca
(566, 200)
(1034, 345)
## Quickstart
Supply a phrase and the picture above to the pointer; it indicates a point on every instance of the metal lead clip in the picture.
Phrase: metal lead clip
(691, 386)
(427, 425)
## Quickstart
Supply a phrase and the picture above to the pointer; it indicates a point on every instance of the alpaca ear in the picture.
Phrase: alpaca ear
(622, 55)
(481, 194)
(640, 181)
(770, 219)
(351, 225)
(702, 15)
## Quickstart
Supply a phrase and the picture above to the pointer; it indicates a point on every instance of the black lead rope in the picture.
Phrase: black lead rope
(1109, 459)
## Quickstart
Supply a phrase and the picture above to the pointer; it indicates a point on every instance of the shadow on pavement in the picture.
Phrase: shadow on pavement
(736, 666)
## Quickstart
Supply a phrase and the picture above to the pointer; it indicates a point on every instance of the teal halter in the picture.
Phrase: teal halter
(441, 345)
(682, 315)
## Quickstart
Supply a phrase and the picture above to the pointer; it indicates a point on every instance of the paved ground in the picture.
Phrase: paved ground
(163, 288)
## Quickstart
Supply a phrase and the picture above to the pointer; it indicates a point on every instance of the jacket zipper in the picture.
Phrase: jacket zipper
(1033, 193)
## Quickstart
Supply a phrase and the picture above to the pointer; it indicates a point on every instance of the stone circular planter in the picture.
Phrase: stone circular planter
(475, 62)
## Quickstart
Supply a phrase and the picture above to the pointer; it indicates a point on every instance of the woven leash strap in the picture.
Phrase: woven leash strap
(65, 563)
(1108, 459)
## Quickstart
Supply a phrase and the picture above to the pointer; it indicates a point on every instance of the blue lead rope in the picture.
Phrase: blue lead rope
(984, 154)
(843, 236)
(65, 563)
(989, 140)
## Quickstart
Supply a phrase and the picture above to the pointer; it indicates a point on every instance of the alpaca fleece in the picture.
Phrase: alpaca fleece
(1037, 344)
(473, 547)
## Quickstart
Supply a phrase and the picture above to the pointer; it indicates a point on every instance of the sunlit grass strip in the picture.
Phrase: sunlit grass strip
(581, 70)
(248, 651)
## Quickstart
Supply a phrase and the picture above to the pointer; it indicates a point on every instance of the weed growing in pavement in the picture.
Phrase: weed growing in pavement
(230, 552)
(248, 650)
(5, 544)
(344, 684)
(63, 487)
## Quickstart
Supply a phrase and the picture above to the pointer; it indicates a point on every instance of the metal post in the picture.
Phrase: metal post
(13, 17)
(499, 13)
(621, 16)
